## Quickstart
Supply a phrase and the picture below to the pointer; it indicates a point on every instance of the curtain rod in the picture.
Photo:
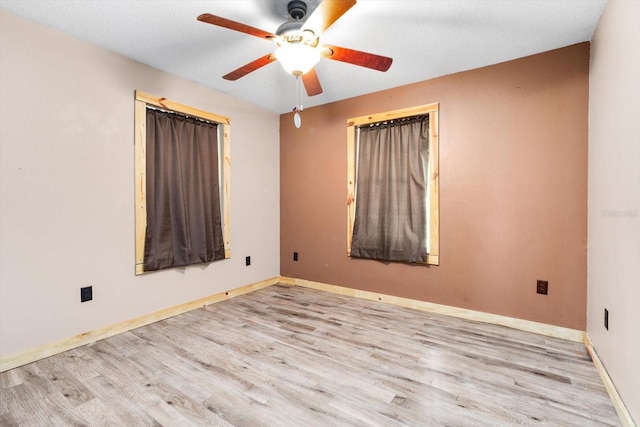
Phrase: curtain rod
(177, 113)
(390, 122)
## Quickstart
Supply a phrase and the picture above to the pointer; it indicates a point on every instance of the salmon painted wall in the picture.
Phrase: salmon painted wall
(513, 190)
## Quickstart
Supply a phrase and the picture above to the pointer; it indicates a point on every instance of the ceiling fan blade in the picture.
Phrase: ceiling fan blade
(248, 68)
(312, 83)
(327, 12)
(356, 57)
(233, 25)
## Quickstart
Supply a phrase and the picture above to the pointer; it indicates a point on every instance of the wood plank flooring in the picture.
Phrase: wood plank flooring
(291, 356)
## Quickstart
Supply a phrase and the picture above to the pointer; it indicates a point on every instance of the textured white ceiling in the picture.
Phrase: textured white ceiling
(426, 38)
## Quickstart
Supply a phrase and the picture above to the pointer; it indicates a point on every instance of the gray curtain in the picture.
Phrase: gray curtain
(183, 200)
(390, 221)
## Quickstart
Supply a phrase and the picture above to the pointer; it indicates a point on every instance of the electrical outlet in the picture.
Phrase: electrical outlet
(86, 293)
(606, 319)
(295, 256)
(247, 261)
(543, 287)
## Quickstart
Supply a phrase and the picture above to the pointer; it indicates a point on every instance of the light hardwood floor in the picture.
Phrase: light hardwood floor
(292, 356)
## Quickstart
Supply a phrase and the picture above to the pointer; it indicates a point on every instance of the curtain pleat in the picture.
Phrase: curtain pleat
(184, 222)
(390, 220)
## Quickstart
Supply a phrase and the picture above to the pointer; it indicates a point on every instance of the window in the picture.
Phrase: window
(373, 237)
(182, 170)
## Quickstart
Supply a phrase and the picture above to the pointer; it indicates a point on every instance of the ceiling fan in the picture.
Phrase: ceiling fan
(299, 48)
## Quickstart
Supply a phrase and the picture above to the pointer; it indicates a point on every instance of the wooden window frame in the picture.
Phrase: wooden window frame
(434, 206)
(142, 100)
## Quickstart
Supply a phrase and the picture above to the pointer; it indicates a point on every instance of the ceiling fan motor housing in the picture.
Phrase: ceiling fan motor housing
(288, 28)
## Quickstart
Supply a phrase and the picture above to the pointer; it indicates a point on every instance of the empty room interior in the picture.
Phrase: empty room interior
(519, 305)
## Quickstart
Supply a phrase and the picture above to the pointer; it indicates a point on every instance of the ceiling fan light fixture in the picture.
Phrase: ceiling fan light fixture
(297, 58)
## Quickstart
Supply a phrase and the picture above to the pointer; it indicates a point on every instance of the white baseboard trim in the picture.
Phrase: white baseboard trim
(621, 409)
(79, 340)
(478, 316)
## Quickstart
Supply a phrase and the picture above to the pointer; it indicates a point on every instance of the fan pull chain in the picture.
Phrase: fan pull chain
(297, 120)
(298, 93)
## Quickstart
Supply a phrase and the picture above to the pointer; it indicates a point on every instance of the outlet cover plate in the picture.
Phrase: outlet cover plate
(86, 293)
(543, 287)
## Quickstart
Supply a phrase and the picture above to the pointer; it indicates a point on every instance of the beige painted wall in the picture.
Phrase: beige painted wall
(614, 197)
(67, 189)
(513, 184)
